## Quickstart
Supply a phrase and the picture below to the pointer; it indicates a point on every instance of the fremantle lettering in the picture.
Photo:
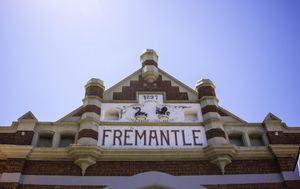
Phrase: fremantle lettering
(151, 137)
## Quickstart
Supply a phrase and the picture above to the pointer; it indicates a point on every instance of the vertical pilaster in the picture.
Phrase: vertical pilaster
(209, 106)
(25, 129)
(56, 140)
(246, 139)
(90, 118)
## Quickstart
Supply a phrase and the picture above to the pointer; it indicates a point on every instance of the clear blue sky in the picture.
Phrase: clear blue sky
(249, 49)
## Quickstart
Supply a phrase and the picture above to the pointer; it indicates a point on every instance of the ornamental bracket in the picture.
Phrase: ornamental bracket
(84, 156)
(221, 154)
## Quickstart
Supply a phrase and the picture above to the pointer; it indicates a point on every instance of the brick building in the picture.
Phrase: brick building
(149, 131)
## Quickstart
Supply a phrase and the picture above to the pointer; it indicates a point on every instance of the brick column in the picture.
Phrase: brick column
(25, 129)
(10, 178)
(211, 119)
(90, 118)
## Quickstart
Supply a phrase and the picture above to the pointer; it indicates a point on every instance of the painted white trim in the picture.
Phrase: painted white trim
(289, 175)
(156, 178)
(10, 177)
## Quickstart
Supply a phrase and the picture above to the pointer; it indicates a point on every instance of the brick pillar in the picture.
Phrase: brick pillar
(11, 176)
(25, 129)
(209, 106)
(149, 61)
(90, 118)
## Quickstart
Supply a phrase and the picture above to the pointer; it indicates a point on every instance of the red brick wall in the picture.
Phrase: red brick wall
(7, 138)
(19, 138)
(51, 168)
(252, 166)
(129, 92)
(14, 165)
(286, 163)
(135, 167)
(293, 184)
(2, 166)
(90, 133)
(8, 185)
(283, 138)
(129, 168)
(95, 91)
(88, 108)
(24, 137)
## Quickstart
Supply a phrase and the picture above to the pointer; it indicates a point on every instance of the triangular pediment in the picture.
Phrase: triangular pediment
(173, 89)
(271, 117)
(28, 116)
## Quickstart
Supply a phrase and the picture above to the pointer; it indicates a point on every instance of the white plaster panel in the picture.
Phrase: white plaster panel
(151, 137)
(152, 108)
(26, 126)
(10, 177)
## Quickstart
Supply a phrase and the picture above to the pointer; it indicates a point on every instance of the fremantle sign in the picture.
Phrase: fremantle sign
(151, 137)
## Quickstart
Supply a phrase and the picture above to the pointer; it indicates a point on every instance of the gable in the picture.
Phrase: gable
(128, 88)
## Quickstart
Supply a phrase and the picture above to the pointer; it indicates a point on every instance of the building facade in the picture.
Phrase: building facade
(149, 131)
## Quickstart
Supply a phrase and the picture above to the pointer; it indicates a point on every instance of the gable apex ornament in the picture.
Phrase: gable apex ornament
(27, 116)
(272, 117)
(149, 60)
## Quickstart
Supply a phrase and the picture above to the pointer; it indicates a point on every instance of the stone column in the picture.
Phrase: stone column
(211, 118)
(90, 118)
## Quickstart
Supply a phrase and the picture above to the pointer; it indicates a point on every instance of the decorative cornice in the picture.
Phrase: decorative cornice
(221, 155)
(208, 153)
(285, 150)
(14, 151)
(84, 156)
(49, 154)
(261, 152)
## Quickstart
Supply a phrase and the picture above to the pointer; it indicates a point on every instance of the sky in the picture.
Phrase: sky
(250, 49)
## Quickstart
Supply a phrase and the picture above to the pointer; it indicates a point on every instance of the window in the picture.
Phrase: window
(66, 140)
(236, 139)
(45, 140)
(256, 140)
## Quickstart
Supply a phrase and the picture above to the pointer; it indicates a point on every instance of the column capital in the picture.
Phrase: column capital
(205, 83)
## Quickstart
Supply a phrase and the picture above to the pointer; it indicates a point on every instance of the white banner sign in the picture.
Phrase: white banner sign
(151, 137)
